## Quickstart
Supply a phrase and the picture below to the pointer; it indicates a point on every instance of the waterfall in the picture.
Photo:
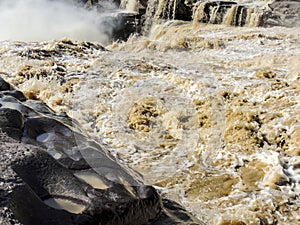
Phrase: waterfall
(149, 15)
(129, 5)
(242, 16)
(199, 14)
(166, 9)
(173, 8)
(132, 6)
(159, 10)
(254, 17)
(227, 13)
(230, 16)
(214, 14)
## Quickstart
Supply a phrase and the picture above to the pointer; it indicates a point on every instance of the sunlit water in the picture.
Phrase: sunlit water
(209, 114)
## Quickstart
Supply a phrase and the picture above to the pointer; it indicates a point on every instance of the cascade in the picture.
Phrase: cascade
(214, 14)
(129, 5)
(230, 16)
(158, 10)
(172, 8)
(166, 9)
(253, 18)
(149, 15)
(235, 16)
(123, 4)
(227, 13)
(242, 16)
(199, 14)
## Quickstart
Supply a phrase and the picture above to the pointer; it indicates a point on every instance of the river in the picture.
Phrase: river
(209, 114)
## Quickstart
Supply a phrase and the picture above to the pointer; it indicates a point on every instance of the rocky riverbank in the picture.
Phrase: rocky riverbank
(52, 173)
(207, 109)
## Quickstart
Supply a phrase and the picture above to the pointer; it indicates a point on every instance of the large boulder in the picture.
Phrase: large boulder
(283, 13)
(54, 174)
(4, 86)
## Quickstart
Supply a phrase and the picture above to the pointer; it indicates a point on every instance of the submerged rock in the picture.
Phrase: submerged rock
(64, 177)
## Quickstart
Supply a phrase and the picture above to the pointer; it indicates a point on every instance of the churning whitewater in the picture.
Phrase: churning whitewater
(208, 113)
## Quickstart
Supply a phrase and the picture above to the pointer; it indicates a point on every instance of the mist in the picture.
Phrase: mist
(42, 20)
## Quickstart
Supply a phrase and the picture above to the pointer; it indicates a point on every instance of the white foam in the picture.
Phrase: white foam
(39, 20)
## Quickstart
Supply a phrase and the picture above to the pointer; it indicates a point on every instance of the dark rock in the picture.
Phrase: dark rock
(4, 86)
(39, 54)
(13, 103)
(16, 94)
(11, 118)
(80, 164)
(125, 25)
(36, 183)
(10, 151)
(11, 122)
(70, 47)
(12, 132)
(144, 3)
(38, 125)
(46, 178)
(183, 12)
(40, 214)
(173, 214)
(39, 106)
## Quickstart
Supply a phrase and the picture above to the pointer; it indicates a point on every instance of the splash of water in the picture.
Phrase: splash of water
(198, 12)
(132, 6)
(40, 20)
(159, 10)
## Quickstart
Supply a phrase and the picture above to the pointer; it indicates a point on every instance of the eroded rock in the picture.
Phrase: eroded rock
(283, 13)
(66, 178)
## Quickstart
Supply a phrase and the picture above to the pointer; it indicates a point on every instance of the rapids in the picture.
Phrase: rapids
(209, 114)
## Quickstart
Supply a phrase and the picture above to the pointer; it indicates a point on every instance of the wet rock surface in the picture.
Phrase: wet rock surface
(231, 13)
(284, 13)
(243, 83)
(278, 13)
(52, 173)
(123, 18)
